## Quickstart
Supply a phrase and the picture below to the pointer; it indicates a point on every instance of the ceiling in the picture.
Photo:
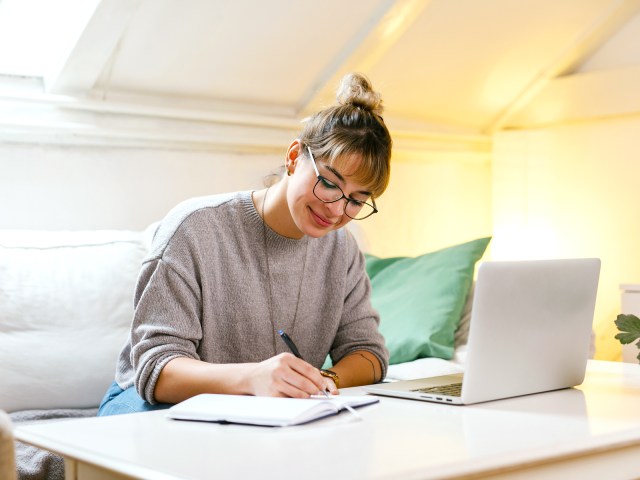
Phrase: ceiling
(444, 67)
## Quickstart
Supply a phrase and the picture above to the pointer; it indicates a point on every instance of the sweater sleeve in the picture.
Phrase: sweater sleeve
(358, 328)
(166, 322)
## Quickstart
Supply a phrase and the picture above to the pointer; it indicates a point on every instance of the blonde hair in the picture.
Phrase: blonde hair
(354, 126)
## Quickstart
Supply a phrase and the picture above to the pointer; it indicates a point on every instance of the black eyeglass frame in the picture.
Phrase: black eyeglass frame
(343, 196)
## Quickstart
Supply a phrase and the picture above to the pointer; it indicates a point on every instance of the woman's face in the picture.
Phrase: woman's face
(312, 216)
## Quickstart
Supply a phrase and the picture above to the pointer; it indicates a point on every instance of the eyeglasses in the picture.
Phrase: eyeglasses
(328, 192)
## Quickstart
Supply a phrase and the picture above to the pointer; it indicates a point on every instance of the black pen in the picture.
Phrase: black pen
(290, 344)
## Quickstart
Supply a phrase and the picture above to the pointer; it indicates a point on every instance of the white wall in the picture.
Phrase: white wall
(89, 187)
(433, 201)
(573, 190)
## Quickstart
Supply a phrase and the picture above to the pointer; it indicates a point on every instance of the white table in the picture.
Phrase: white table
(592, 431)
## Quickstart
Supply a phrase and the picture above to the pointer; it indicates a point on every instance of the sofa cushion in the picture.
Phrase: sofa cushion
(66, 303)
(421, 299)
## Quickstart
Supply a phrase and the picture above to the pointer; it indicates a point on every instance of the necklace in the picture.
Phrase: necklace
(266, 254)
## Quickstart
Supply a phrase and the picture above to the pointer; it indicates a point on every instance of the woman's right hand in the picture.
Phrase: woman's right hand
(285, 375)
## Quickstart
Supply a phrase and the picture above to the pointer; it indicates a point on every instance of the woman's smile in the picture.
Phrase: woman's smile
(320, 220)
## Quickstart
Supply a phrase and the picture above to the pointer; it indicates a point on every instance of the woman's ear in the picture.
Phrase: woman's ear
(293, 153)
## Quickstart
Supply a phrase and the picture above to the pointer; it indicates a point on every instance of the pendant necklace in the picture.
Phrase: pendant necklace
(266, 253)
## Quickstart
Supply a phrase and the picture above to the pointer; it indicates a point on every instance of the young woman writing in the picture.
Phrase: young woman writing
(227, 272)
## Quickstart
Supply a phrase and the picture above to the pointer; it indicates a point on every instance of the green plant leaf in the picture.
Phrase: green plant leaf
(629, 326)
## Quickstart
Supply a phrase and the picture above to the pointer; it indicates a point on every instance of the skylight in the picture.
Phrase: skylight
(36, 36)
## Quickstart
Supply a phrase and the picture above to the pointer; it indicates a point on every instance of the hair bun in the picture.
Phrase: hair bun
(355, 89)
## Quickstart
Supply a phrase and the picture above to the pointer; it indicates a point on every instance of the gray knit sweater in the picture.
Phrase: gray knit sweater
(203, 293)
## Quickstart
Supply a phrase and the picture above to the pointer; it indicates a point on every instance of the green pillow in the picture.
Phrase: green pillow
(420, 300)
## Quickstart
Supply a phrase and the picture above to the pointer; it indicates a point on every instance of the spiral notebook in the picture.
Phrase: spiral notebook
(266, 411)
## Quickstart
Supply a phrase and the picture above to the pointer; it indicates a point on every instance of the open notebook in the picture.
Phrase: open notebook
(268, 411)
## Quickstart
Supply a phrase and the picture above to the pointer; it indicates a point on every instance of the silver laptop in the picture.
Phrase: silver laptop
(530, 332)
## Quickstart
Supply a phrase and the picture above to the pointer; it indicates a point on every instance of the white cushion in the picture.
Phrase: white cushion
(423, 367)
(66, 302)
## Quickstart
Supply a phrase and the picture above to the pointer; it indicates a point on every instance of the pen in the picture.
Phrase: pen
(292, 346)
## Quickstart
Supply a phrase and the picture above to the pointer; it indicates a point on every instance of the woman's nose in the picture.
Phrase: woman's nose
(337, 208)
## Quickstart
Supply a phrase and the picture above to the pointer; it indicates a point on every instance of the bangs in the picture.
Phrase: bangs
(367, 173)
(368, 165)
(354, 139)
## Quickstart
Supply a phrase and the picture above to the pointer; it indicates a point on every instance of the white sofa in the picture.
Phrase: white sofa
(66, 302)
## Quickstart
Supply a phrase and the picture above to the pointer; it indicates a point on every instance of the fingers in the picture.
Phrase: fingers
(304, 379)
(288, 376)
(330, 387)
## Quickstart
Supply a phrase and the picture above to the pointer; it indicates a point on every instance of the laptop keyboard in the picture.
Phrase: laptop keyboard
(451, 390)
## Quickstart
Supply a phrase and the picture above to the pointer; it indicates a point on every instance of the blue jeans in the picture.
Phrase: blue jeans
(118, 401)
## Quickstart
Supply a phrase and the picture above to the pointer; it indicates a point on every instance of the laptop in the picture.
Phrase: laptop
(530, 332)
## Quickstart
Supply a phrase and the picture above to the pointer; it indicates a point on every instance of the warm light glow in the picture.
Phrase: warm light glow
(396, 22)
(531, 242)
(432, 202)
(572, 191)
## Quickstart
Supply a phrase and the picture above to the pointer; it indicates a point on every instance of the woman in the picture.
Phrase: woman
(227, 273)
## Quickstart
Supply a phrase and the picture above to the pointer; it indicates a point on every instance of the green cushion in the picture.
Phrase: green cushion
(420, 300)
